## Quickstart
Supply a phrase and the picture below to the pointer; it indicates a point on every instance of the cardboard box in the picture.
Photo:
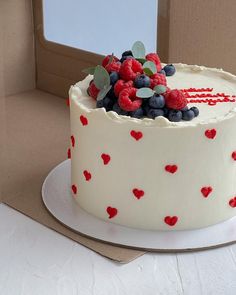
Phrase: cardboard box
(35, 124)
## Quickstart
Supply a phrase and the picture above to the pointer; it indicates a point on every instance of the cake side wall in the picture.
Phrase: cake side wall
(152, 177)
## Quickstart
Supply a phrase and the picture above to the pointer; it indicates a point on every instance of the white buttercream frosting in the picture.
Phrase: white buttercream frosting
(201, 161)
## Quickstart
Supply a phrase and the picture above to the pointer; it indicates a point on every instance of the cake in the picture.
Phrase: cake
(161, 173)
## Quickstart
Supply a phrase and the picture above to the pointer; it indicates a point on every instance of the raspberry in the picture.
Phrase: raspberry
(154, 58)
(157, 79)
(167, 90)
(120, 85)
(128, 100)
(113, 67)
(93, 91)
(175, 99)
(107, 59)
(130, 68)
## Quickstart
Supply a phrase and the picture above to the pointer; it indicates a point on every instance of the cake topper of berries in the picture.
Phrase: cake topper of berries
(135, 85)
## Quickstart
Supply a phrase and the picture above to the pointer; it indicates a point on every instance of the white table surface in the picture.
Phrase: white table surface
(36, 260)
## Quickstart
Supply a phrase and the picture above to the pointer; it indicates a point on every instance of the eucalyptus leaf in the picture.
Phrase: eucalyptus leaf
(138, 50)
(101, 77)
(151, 66)
(103, 92)
(144, 92)
(90, 70)
(148, 72)
(160, 89)
(141, 60)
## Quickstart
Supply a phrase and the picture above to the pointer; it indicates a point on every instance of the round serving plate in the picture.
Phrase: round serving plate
(57, 198)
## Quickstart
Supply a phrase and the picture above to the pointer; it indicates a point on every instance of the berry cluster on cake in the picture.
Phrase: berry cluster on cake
(135, 85)
(153, 146)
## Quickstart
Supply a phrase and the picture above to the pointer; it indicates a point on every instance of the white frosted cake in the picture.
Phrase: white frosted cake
(157, 174)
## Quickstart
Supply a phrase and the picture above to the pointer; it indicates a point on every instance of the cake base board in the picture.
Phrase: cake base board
(58, 200)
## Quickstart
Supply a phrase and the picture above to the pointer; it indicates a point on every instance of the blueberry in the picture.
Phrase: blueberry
(142, 81)
(108, 103)
(118, 110)
(157, 101)
(162, 72)
(99, 103)
(153, 113)
(111, 94)
(166, 111)
(195, 110)
(127, 53)
(169, 70)
(145, 107)
(137, 113)
(188, 115)
(126, 57)
(174, 115)
(184, 109)
(114, 77)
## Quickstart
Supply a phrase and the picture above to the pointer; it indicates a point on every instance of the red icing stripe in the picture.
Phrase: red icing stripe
(197, 90)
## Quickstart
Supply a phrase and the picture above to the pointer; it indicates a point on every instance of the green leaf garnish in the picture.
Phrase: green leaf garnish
(101, 77)
(148, 72)
(103, 92)
(159, 89)
(141, 60)
(149, 68)
(144, 92)
(138, 50)
(89, 70)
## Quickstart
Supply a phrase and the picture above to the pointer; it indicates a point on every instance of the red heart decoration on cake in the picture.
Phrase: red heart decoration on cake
(72, 140)
(74, 188)
(138, 193)
(232, 202)
(234, 155)
(171, 168)
(68, 101)
(87, 175)
(106, 158)
(112, 212)
(83, 120)
(171, 220)
(68, 153)
(210, 133)
(136, 134)
(206, 190)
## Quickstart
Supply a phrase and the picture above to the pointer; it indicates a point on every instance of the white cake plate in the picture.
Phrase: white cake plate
(58, 200)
